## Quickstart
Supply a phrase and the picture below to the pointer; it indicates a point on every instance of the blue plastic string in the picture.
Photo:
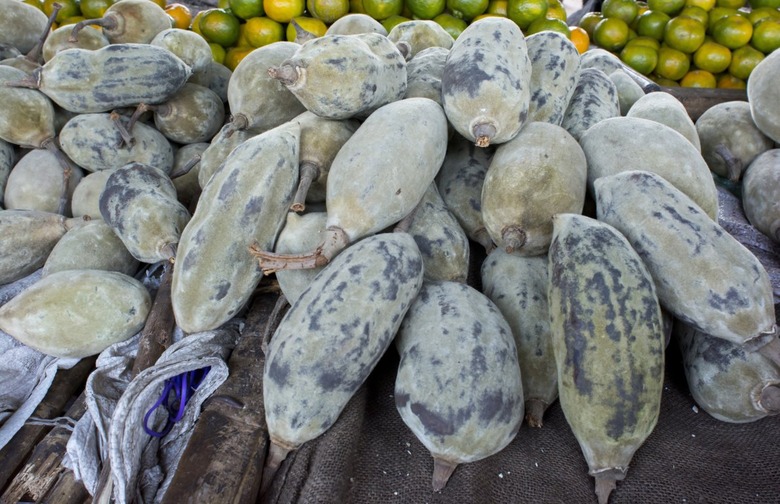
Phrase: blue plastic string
(182, 386)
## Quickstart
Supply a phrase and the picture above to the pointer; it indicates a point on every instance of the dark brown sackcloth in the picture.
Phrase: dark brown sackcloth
(370, 456)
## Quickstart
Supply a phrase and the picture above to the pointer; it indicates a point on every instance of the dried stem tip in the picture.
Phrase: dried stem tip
(286, 74)
(483, 133)
(770, 399)
(513, 237)
(604, 487)
(276, 455)
(335, 241)
(534, 412)
(442, 470)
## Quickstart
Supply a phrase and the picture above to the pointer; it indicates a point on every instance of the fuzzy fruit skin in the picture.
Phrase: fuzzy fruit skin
(761, 193)
(223, 143)
(93, 246)
(367, 190)
(77, 313)
(352, 309)
(86, 197)
(92, 142)
(539, 173)
(27, 115)
(628, 90)
(214, 274)
(190, 47)
(518, 286)
(424, 73)
(36, 183)
(58, 41)
(486, 80)
(137, 22)
(355, 23)
(724, 379)
(21, 25)
(762, 95)
(686, 251)
(555, 64)
(420, 34)
(595, 98)
(608, 340)
(7, 161)
(620, 144)
(194, 114)
(118, 75)
(458, 387)
(666, 109)
(300, 234)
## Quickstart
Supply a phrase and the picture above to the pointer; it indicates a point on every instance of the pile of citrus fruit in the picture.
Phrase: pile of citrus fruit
(692, 43)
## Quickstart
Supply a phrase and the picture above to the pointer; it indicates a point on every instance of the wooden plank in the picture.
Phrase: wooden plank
(224, 458)
(66, 491)
(66, 385)
(697, 101)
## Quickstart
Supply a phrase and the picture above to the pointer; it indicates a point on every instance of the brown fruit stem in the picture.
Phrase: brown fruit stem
(605, 484)
(770, 398)
(140, 110)
(301, 34)
(308, 173)
(127, 137)
(513, 238)
(239, 122)
(168, 252)
(286, 74)
(534, 412)
(771, 350)
(482, 237)
(335, 241)
(30, 81)
(107, 22)
(483, 132)
(34, 56)
(442, 470)
(50, 145)
(277, 452)
(405, 49)
(734, 166)
(185, 168)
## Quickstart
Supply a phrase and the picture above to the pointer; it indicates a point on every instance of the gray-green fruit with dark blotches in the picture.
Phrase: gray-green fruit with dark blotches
(77, 313)
(621, 144)
(36, 183)
(194, 114)
(687, 253)
(762, 95)
(7, 162)
(666, 109)
(442, 242)
(27, 115)
(423, 74)
(608, 341)
(344, 76)
(420, 34)
(94, 142)
(727, 382)
(460, 182)
(352, 309)
(115, 76)
(28, 237)
(354, 23)
(190, 47)
(363, 201)
(214, 274)
(257, 100)
(58, 40)
(595, 98)
(220, 147)
(321, 140)
(761, 193)
(539, 173)
(139, 203)
(728, 151)
(452, 333)
(8, 51)
(300, 234)
(130, 22)
(214, 76)
(601, 59)
(486, 89)
(627, 88)
(518, 286)
(22, 25)
(93, 246)
(555, 63)
(85, 201)
(187, 157)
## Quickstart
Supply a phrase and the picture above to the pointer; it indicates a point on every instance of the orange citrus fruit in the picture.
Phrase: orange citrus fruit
(466, 9)
(732, 4)
(696, 13)
(699, 79)
(69, 9)
(716, 14)
(732, 31)
(626, 10)
(556, 10)
(525, 12)
(672, 64)
(245, 9)
(707, 5)
(314, 26)
(94, 9)
(670, 7)
(234, 55)
(684, 34)
(383, 9)
(652, 24)
(766, 35)
(452, 25)
(744, 60)
(589, 21)
(426, 9)
(328, 11)
(641, 58)
(282, 11)
(217, 52)
(728, 81)
(548, 24)
(757, 4)
(180, 14)
(219, 26)
(260, 31)
(712, 57)
(390, 22)
(644, 41)
(611, 34)
(497, 7)
(579, 38)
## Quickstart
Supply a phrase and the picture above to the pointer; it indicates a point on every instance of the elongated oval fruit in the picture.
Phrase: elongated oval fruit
(139, 203)
(343, 76)
(627, 89)
(539, 173)
(555, 64)
(762, 96)
(257, 100)
(595, 98)
(367, 190)
(666, 109)
(27, 115)
(301, 233)
(214, 76)
(93, 246)
(28, 237)
(609, 344)
(684, 250)
(220, 147)
(423, 74)
(74, 314)
(194, 114)
(214, 274)
(355, 23)
(518, 286)
(94, 142)
(727, 382)
(130, 22)
(58, 40)
(485, 84)
(761, 193)
(601, 59)
(452, 334)
(420, 34)
(36, 183)
(620, 144)
(21, 25)
(7, 162)
(190, 47)
(442, 242)
(352, 309)
(460, 182)
(185, 171)
(86, 197)
(118, 75)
